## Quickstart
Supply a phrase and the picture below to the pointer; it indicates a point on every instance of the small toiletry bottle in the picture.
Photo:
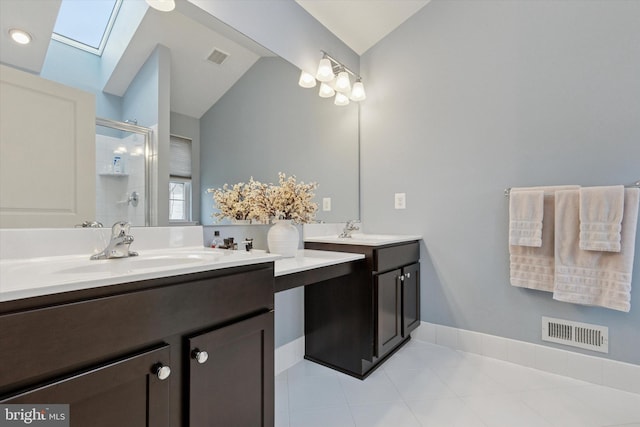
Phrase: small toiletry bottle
(117, 164)
(217, 241)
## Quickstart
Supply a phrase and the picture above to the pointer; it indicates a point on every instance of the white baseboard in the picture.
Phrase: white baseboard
(597, 370)
(289, 354)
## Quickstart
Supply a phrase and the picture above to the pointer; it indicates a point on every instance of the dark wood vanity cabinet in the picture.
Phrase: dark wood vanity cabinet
(216, 396)
(354, 322)
(134, 354)
(124, 392)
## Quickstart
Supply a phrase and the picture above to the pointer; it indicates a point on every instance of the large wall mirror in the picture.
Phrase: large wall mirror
(238, 103)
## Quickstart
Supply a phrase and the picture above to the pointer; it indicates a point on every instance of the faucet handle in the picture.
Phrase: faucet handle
(352, 224)
(120, 228)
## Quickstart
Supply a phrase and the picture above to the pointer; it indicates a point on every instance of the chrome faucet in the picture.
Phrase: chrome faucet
(349, 228)
(118, 246)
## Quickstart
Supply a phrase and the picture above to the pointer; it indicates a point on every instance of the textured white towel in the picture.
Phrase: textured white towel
(601, 218)
(532, 267)
(526, 207)
(593, 277)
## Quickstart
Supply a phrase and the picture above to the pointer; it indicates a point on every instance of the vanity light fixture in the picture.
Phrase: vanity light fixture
(325, 70)
(20, 36)
(326, 91)
(162, 5)
(307, 80)
(342, 82)
(334, 78)
(357, 92)
(341, 99)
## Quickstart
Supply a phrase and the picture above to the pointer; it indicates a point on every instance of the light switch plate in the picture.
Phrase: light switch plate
(326, 204)
(400, 200)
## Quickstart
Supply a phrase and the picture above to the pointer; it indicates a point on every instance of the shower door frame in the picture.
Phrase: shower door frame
(150, 165)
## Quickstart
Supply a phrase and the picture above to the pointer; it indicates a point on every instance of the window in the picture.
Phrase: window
(179, 200)
(86, 24)
(179, 179)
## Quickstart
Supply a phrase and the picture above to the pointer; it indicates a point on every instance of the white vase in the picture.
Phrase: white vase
(283, 238)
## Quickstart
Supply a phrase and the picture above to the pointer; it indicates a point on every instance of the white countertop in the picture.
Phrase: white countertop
(30, 277)
(365, 239)
(308, 259)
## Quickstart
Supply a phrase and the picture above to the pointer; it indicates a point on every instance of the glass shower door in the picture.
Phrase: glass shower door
(122, 168)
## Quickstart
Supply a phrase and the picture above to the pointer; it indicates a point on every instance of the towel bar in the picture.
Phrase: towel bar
(636, 184)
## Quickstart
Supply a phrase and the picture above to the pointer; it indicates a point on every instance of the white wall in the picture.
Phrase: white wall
(469, 97)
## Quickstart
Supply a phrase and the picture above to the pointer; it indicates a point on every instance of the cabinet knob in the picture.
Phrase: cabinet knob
(162, 371)
(200, 356)
(408, 275)
(401, 277)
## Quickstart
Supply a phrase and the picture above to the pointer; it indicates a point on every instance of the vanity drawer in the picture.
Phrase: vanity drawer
(391, 257)
(58, 339)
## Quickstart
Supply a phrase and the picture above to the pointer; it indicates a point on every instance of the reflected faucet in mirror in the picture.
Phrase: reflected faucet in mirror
(118, 246)
(90, 224)
(349, 228)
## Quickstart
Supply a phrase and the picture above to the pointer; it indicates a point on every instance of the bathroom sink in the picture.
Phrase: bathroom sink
(28, 277)
(364, 239)
(133, 264)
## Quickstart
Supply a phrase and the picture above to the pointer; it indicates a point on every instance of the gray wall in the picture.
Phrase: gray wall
(267, 124)
(140, 101)
(469, 97)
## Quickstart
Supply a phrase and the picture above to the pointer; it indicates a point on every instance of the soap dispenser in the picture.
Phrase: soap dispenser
(217, 241)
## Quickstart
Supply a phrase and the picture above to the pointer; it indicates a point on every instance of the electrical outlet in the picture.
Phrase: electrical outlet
(326, 204)
(401, 201)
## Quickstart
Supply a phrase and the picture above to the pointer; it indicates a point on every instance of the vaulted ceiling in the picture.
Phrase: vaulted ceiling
(192, 35)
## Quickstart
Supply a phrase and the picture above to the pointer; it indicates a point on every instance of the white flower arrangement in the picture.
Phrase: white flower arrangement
(232, 201)
(290, 200)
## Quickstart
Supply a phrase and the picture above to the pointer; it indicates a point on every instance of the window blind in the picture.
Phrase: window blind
(180, 157)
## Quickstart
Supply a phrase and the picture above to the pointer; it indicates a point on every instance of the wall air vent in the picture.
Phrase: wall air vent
(218, 56)
(576, 334)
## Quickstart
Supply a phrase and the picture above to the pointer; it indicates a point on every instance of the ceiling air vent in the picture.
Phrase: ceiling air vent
(576, 334)
(218, 56)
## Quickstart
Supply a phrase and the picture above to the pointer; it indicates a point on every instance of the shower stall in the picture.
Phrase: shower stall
(124, 172)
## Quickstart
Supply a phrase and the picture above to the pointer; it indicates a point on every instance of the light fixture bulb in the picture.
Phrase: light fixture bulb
(358, 93)
(306, 80)
(341, 99)
(342, 82)
(20, 36)
(326, 91)
(325, 71)
(162, 5)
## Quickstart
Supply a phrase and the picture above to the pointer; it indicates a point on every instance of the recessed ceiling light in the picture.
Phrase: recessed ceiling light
(20, 36)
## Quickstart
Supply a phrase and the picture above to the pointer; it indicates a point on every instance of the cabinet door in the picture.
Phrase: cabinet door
(389, 311)
(125, 393)
(410, 298)
(233, 384)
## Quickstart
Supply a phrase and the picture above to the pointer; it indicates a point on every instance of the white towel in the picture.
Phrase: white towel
(526, 210)
(592, 277)
(601, 217)
(532, 267)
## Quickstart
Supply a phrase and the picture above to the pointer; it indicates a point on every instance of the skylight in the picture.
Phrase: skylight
(86, 24)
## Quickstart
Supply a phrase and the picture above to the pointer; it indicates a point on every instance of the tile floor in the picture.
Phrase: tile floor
(425, 384)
